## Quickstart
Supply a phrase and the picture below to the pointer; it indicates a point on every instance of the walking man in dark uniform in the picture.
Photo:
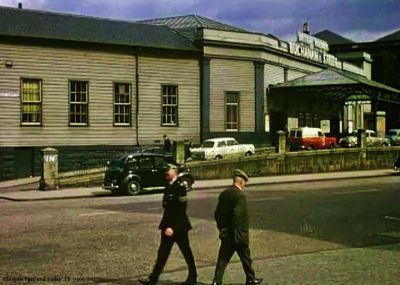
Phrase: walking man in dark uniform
(174, 226)
(232, 220)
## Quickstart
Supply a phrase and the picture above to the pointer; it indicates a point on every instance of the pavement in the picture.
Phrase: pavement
(372, 265)
(7, 191)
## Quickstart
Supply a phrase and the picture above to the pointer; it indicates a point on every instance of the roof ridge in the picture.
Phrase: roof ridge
(168, 17)
(46, 12)
(220, 22)
(384, 38)
(198, 18)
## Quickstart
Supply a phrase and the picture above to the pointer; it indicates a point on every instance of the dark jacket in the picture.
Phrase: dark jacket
(232, 216)
(167, 145)
(175, 204)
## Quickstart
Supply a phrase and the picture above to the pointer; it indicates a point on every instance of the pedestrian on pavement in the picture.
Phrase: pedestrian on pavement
(232, 220)
(167, 144)
(174, 226)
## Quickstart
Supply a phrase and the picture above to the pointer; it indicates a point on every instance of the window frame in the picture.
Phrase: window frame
(87, 103)
(40, 103)
(119, 104)
(226, 110)
(177, 105)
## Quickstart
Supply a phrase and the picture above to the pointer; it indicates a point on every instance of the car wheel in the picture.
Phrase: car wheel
(249, 153)
(218, 157)
(310, 147)
(133, 188)
(332, 145)
(384, 144)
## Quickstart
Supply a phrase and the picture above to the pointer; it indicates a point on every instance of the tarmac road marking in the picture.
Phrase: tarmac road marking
(97, 214)
(265, 199)
(392, 218)
(356, 191)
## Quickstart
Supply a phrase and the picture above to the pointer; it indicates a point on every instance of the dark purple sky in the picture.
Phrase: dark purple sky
(361, 20)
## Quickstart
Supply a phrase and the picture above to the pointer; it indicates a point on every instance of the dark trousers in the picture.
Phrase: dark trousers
(226, 251)
(182, 240)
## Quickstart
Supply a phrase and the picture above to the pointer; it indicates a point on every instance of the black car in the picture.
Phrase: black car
(134, 173)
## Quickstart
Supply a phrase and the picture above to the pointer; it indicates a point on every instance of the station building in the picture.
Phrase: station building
(384, 53)
(93, 87)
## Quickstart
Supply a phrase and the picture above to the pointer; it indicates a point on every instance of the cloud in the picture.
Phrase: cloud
(358, 18)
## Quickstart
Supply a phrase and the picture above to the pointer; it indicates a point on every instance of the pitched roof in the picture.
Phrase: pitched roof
(193, 21)
(335, 77)
(332, 38)
(395, 36)
(50, 25)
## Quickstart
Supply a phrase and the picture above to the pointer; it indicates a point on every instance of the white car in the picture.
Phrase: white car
(219, 148)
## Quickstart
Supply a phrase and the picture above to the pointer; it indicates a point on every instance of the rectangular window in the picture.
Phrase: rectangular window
(232, 111)
(169, 116)
(122, 104)
(31, 101)
(78, 102)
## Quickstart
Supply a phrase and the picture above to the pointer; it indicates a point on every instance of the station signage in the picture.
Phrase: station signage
(313, 49)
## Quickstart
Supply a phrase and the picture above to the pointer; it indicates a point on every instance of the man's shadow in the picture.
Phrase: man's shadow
(134, 281)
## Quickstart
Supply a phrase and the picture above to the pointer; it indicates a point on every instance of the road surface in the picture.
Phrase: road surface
(115, 239)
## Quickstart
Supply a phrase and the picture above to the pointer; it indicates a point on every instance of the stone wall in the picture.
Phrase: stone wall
(299, 162)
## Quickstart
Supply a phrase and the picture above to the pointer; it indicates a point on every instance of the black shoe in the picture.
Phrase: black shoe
(147, 281)
(254, 281)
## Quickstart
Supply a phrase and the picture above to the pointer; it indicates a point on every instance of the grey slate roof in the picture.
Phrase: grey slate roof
(193, 21)
(334, 77)
(332, 38)
(395, 36)
(50, 25)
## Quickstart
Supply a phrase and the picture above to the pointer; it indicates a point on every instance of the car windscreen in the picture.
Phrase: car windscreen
(392, 133)
(208, 144)
(118, 162)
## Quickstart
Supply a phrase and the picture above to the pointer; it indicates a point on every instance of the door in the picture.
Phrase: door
(146, 171)
(321, 140)
(160, 165)
(23, 162)
(278, 123)
(233, 147)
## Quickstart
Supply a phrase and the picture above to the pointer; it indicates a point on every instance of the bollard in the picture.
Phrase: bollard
(49, 179)
(281, 145)
(179, 153)
(361, 138)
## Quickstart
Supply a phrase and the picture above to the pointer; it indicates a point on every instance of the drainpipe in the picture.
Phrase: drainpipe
(137, 97)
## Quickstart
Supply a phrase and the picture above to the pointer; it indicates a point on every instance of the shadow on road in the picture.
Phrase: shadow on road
(134, 281)
(355, 220)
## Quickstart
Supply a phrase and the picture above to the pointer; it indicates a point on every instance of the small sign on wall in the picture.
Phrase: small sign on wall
(367, 108)
(326, 126)
(5, 93)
